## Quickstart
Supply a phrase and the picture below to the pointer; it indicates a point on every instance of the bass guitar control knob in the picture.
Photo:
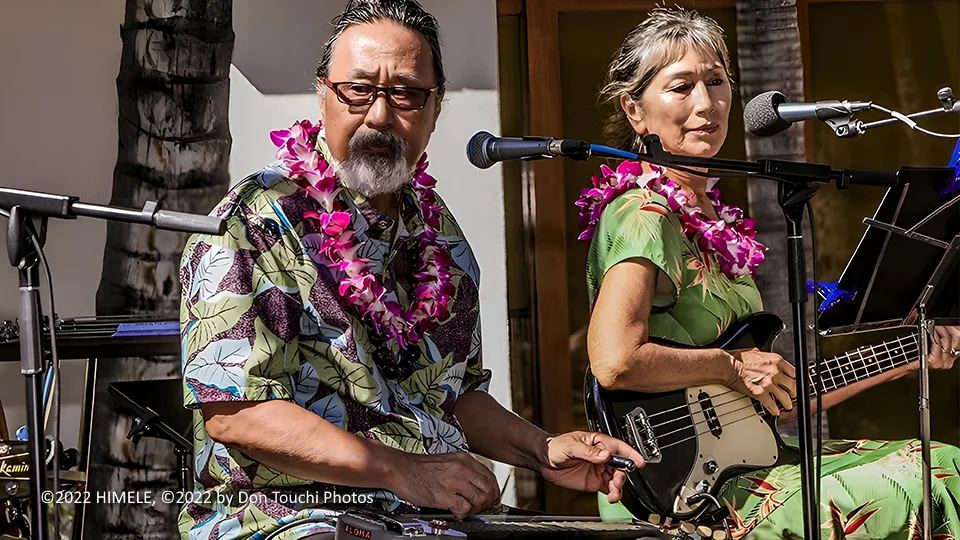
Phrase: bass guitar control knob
(710, 467)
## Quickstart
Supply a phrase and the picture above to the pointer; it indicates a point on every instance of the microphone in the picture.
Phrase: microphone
(181, 221)
(771, 112)
(484, 149)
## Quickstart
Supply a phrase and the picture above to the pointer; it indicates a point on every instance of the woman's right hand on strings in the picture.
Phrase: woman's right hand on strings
(764, 376)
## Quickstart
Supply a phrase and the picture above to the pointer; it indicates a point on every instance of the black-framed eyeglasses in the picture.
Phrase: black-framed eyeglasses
(357, 94)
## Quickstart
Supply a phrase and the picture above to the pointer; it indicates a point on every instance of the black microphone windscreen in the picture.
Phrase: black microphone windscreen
(760, 114)
(477, 150)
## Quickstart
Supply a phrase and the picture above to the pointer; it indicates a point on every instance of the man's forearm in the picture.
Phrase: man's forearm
(290, 439)
(499, 434)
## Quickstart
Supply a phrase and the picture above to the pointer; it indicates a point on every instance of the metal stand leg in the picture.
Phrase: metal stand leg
(22, 255)
(85, 441)
(184, 469)
(792, 199)
(926, 330)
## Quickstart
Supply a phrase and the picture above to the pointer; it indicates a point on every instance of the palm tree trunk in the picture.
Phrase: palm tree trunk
(768, 47)
(174, 147)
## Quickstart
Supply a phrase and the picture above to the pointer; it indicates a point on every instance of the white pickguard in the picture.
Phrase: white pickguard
(746, 438)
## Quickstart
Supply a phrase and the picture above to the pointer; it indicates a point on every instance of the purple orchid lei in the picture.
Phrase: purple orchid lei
(731, 238)
(296, 148)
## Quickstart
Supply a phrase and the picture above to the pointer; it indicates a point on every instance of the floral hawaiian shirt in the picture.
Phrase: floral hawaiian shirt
(261, 319)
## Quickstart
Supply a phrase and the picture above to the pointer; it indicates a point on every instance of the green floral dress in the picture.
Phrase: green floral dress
(869, 489)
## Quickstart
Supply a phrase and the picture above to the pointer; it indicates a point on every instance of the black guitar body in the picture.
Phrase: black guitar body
(676, 457)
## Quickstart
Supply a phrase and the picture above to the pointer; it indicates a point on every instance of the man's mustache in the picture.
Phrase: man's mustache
(364, 141)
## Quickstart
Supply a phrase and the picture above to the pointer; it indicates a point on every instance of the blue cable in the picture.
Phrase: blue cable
(47, 383)
(606, 151)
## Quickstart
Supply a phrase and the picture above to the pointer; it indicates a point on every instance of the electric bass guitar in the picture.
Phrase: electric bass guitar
(693, 440)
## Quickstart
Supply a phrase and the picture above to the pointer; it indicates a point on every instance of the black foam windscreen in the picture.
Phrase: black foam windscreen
(760, 114)
(477, 150)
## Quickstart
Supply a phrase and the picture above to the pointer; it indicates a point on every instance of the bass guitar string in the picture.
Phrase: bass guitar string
(695, 424)
(727, 413)
(907, 359)
(906, 354)
(829, 370)
(664, 447)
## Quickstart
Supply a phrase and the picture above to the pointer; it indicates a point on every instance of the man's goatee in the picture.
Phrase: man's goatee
(375, 173)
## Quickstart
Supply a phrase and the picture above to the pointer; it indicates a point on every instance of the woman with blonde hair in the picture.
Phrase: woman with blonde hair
(669, 260)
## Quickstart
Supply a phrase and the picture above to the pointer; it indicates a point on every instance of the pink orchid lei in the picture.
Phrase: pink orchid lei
(731, 238)
(296, 148)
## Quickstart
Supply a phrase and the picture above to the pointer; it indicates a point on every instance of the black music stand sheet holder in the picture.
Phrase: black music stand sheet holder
(906, 267)
(890, 269)
(157, 407)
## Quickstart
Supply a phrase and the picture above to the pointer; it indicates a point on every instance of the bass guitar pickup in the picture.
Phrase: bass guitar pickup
(713, 421)
(641, 435)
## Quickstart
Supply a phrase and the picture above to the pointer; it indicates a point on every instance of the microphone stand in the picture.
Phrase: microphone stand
(28, 212)
(794, 192)
(846, 127)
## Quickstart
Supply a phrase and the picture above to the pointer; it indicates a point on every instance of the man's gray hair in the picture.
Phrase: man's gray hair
(660, 40)
(408, 13)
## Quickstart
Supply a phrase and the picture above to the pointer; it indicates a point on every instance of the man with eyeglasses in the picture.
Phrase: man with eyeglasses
(331, 339)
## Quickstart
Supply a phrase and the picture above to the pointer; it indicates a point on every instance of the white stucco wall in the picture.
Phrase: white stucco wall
(58, 106)
(58, 133)
(270, 90)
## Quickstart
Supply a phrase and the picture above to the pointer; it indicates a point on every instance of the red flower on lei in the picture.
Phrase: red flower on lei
(357, 283)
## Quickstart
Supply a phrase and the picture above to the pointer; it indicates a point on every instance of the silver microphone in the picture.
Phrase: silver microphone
(771, 112)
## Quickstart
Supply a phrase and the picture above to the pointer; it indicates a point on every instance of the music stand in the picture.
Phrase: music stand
(906, 266)
(158, 411)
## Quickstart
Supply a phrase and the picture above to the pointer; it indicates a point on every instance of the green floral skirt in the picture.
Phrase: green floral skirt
(868, 490)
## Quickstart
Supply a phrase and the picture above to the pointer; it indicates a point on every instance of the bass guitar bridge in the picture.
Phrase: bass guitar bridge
(641, 435)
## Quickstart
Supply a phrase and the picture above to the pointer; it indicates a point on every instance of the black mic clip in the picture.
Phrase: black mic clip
(845, 127)
(569, 148)
(652, 146)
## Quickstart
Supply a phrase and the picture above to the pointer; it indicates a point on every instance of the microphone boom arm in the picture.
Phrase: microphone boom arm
(847, 126)
(856, 128)
(790, 172)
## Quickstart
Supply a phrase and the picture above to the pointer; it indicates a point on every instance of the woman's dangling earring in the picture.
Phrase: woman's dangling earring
(638, 144)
